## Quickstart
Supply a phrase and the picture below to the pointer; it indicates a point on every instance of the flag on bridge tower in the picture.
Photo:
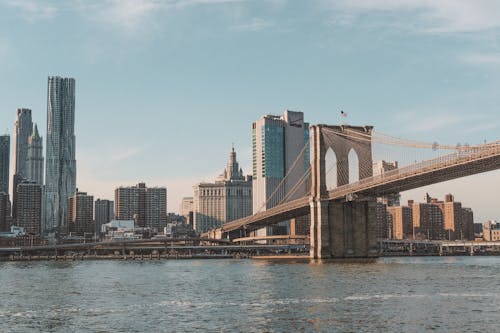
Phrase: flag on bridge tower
(343, 114)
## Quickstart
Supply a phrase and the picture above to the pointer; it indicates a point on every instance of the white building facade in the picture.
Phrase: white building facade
(227, 199)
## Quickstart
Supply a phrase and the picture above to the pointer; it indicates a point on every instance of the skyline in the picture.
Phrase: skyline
(246, 60)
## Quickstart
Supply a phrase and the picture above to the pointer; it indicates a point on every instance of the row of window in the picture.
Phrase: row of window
(228, 192)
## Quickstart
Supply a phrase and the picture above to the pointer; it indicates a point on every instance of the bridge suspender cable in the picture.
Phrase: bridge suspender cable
(280, 188)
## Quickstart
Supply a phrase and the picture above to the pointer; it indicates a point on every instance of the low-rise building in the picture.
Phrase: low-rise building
(491, 231)
(121, 230)
(80, 214)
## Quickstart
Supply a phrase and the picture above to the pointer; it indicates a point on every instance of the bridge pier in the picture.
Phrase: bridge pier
(320, 243)
(341, 229)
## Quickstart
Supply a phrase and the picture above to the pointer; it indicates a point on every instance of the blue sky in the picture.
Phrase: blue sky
(165, 87)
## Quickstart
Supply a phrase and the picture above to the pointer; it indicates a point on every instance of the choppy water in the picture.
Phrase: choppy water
(447, 294)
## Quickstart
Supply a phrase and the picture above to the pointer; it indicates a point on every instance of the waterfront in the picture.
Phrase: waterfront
(447, 294)
(394, 294)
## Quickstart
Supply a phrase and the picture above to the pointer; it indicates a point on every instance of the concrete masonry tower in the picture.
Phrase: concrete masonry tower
(35, 158)
(342, 228)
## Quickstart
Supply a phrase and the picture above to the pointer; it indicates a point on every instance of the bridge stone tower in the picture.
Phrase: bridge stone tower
(341, 228)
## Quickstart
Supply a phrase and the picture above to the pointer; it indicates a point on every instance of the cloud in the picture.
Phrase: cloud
(126, 14)
(443, 16)
(33, 10)
(417, 121)
(124, 154)
(130, 15)
(5, 48)
(482, 127)
(256, 24)
(135, 15)
(185, 3)
(278, 3)
(481, 59)
(106, 158)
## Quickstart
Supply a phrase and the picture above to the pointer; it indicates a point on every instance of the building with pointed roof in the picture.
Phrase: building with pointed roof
(34, 168)
(227, 199)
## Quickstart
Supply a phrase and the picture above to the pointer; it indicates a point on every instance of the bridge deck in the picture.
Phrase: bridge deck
(448, 167)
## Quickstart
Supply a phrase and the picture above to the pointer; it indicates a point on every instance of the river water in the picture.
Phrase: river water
(443, 294)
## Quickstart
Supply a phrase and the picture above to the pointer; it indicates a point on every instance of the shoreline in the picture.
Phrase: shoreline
(146, 258)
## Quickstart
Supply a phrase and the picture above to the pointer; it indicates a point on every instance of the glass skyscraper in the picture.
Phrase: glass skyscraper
(277, 142)
(23, 130)
(60, 170)
(4, 163)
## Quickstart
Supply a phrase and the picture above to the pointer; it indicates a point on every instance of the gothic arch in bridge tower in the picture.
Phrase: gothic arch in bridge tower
(331, 169)
(354, 166)
(342, 140)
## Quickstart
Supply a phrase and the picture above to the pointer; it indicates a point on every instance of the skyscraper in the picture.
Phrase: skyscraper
(156, 207)
(35, 158)
(127, 202)
(28, 156)
(23, 128)
(277, 143)
(147, 206)
(60, 171)
(4, 163)
(4, 211)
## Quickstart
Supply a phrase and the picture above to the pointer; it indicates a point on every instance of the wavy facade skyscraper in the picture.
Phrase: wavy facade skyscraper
(60, 170)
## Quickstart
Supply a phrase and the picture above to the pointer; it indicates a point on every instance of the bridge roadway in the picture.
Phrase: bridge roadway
(287, 238)
(455, 165)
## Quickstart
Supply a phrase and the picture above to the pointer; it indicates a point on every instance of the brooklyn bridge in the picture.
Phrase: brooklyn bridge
(340, 196)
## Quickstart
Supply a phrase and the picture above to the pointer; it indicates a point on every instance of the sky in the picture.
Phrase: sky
(164, 88)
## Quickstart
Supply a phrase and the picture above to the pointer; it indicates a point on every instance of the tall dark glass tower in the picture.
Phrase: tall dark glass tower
(23, 128)
(4, 163)
(60, 170)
